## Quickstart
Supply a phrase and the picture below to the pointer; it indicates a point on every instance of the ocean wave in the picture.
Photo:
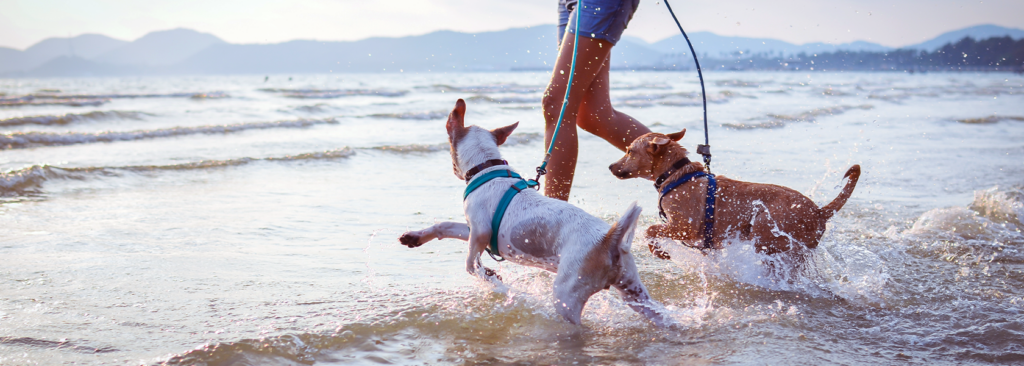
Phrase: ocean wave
(973, 239)
(20, 140)
(995, 215)
(29, 180)
(513, 140)
(990, 119)
(333, 93)
(29, 101)
(311, 109)
(679, 99)
(737, 83)
(79, 100)
(61, 345)
(504, 100)
(428, 115)
(811, 115)
(753, 125)
(412, 148)
(68, 118)
(658, 86)
(491, 88)
(780, 120)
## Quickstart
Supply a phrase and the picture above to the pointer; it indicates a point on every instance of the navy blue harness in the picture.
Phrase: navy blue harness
(709, 210)
(499, 212)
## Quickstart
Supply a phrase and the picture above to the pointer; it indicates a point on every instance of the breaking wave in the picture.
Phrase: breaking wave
(504, 100)
(29, 180)
(333, 93)
(738, 83)
(311, 109)
(642, 87)
(429, 115)
(22, 140)
(780, 120)
(995, 213)
(78, 100)
(491, 88)
(68, 118)
(514, 139)
(990, 119)
(679, 99)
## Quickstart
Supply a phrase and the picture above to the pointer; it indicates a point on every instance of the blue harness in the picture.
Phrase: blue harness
(709, 210)
(499, 212)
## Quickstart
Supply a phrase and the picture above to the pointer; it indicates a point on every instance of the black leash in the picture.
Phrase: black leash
(704, 150)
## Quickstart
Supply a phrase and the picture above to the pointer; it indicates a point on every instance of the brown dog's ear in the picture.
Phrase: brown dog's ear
(457, 118)
(656, 143)
(677, 136)
(501, 134)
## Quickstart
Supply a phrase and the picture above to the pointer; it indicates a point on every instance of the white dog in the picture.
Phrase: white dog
(587, 254)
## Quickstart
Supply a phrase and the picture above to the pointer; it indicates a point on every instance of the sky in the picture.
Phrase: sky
(891, 23)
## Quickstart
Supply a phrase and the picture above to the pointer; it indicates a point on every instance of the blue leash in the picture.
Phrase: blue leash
(542, 169)
(704, 150)
(522, 184)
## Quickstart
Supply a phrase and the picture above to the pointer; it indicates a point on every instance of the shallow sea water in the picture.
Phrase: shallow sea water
(232, 221)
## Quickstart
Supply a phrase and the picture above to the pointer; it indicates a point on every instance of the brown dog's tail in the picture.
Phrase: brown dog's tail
(830, 209)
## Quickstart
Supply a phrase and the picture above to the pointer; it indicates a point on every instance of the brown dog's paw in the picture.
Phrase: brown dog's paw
(657, 251)
(410, 240)
(490, 272)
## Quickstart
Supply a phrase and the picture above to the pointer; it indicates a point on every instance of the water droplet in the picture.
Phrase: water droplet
(561, 72)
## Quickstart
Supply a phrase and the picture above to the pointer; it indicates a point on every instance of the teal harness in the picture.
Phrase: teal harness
(499, 212)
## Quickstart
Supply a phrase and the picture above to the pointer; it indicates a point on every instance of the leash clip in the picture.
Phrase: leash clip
(705, 151)
(540, 172)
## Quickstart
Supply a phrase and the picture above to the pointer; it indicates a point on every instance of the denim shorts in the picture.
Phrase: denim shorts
(601, 19)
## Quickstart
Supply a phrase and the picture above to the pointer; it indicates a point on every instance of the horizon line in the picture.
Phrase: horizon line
(494, 31)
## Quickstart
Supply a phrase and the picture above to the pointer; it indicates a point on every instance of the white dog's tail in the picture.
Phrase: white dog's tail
(622, 233)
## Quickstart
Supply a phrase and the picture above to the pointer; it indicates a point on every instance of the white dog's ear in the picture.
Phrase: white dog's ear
(457, 118)
(501, 134)
(678, 135)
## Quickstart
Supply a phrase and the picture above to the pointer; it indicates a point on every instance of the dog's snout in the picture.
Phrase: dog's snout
(618, 171)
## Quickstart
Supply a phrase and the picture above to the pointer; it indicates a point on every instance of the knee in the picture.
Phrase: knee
(552, 107)
(590, 120)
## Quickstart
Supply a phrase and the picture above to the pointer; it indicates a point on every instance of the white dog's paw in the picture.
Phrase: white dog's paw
(410, 239)
(491, 274)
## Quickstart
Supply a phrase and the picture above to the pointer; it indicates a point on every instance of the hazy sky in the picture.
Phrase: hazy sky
(888, 22)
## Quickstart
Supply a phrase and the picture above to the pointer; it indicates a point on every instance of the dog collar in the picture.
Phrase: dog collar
(487, 164)
(675, 167)
(709, 208)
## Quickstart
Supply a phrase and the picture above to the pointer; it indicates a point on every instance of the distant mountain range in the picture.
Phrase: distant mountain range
(184, 51)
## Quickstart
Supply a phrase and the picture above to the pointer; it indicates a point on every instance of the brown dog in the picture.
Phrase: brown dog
(775, 217)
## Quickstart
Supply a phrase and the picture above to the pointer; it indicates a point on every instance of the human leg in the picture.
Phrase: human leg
(597, 116)
(591, 56)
